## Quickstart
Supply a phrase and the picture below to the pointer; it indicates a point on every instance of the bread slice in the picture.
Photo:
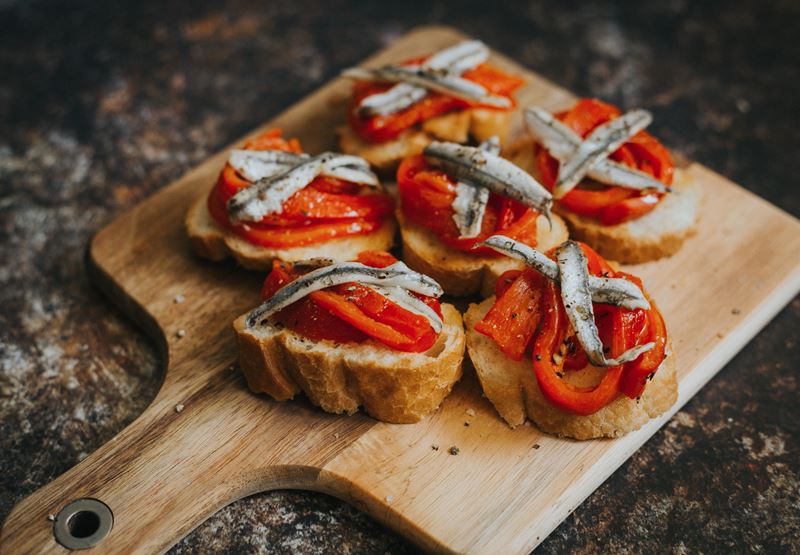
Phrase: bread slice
(457, 127)
(392, 386)
(211, 240)
(512, 388)
(655, 235)
(460, 273)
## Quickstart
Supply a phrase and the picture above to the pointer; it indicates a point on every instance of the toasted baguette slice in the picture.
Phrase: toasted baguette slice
(392, 386)
(460, 273)
(457, 127)
(211, 240)
(655, 235)
(512, 388)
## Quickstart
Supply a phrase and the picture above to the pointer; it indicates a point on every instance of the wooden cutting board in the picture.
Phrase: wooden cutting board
(170, 470)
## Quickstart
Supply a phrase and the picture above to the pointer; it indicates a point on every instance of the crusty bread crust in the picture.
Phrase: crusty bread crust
(392, 386)
(512, 388)
(211, 240)
(460, 273)
(655, 235)
(457, 127)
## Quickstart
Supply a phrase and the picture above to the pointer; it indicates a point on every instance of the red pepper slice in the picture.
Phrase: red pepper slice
(513, 319)
(610, 204)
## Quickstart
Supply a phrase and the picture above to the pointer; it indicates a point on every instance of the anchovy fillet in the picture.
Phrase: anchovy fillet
(577, 300)
(564, 145)
(267, 195)
(616, 291)
(484, 169)
(406, 300)
(396, 275)
(431, 79)
(454, 60)
(469, 206)
(258, 164)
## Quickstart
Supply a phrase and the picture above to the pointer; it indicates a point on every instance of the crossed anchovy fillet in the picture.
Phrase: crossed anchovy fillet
(277, 175)
(484, 168)
(469, 206)
(441, 73)
(579, 290)
(589, 157)
(394, 282)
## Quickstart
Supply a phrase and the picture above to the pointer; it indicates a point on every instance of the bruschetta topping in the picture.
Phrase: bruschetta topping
(273, 195)
(376, 296)
(481, 167)
(589, 157)
(440, 73)
(599, 162)
(569, 314)
(267, 195)
(393, 98)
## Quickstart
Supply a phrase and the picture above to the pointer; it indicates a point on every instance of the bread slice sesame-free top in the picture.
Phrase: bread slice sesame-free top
(657, 234)
(512, 388)
(478, 124)
(392, 386)
(212, 241)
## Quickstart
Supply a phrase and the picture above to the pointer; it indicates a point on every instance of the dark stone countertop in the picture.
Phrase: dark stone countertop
(101, 105)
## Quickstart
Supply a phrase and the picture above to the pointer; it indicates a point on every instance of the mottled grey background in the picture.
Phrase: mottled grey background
(102, 103)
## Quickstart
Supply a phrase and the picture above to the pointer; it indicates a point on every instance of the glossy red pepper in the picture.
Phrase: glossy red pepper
(326, 209)
(611, 205)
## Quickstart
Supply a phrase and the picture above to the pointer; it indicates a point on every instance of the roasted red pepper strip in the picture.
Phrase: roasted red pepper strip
(381, 128)
(426, 198)
(326, 209)
(353, 312)
(611, 205)
(513, 319)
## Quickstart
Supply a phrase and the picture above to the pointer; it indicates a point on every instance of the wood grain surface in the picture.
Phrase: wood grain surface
(503, 492)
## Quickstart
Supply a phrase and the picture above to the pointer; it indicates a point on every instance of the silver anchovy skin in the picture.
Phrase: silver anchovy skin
(267, 195)
(481, 168)
(616, 291)
(258, 164)
(577, 300)
(396, 275)
(431, 79)
(563, 143)
(454, 60)
(601, 142)
(406, 300)
(469, 206)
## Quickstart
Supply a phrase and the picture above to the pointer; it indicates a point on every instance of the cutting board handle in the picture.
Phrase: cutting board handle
(168, 471)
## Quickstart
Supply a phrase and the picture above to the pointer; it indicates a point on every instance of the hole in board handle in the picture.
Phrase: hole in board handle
(83, 523)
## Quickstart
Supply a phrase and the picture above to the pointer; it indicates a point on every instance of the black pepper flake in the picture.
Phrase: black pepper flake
(536, 445)
(435, 447)
(538, 356)
(514, 315)
(466, 424)
(454, 450)
(736, 311)
(560, 374)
